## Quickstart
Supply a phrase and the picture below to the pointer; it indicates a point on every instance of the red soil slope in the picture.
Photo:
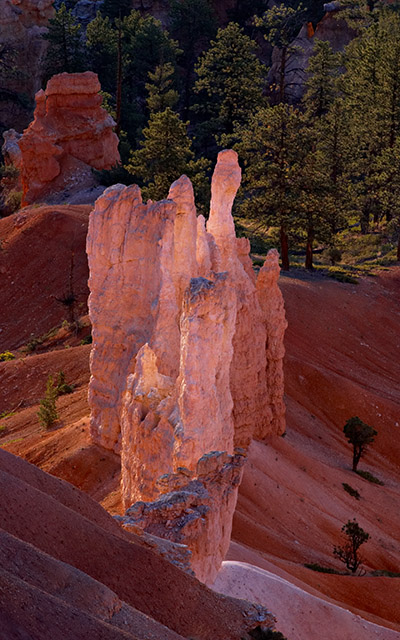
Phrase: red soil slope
(342, 360)
(69, 571)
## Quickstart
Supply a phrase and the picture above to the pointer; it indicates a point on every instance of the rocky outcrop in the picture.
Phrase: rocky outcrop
(22, 25)
(181, 358)
(332, 29)
(196, 511)
(69, 135)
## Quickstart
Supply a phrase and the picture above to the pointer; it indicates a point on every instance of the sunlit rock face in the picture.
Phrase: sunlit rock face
(69, 135)
(185, 340)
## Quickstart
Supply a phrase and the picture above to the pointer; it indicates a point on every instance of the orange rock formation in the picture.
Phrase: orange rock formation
(70, 134)
(185, 342)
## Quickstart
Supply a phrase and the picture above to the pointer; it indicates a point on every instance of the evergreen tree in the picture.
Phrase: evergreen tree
(192, 23)
(229, 84)
(349, 553)
(272, 149)
(164, 155)
(322, 74)
(65, 50)
(280, 24)
(116, 8)
(161, 94)
(372, 97)
(47, 413)
(123, 53)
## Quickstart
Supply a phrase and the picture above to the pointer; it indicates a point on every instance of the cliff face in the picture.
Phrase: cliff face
(22, 24)
(70, 134)
(184, 344)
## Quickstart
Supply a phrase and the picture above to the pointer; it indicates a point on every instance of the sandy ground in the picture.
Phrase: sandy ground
(342, 359)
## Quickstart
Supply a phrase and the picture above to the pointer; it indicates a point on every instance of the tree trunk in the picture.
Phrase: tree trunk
(284, 248)
(119, 81)
(398, 249)
(309, 249)
(356, 457)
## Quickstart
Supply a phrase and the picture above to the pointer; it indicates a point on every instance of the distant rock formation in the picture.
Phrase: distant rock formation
(330, 28)
(187, 351)
(70, 134)
(22, 25)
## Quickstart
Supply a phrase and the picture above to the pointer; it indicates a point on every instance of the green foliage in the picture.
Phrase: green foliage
(47, 413)
(229, 86)
(123, 52)
(9, 172)
(370, 477)
(6, 355)
(360, 435)
(65, 51)
(87, 340)
(280, 25)
(62, 387)
(13, 201)
(164, 155)
(352, 492)
(266, 634)
(160, 88)
(314, 566)
(322, 78)
(348, 553)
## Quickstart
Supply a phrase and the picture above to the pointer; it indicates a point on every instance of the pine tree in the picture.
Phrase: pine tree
(229, 85)
(164, 155)
(372, 97)
(123, 53)
(272, 149)
(65, 50)
(160, 88)
(47, 413)
(280, 25)
(322, 79)
(192, 23)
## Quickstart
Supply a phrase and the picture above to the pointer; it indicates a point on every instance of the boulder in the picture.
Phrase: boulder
(69, 135)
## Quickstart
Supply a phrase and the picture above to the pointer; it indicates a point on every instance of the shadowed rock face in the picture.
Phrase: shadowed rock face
(184, 343)
(70, 134)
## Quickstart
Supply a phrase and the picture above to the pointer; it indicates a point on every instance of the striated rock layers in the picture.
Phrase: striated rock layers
(70, 134)
(187, 356)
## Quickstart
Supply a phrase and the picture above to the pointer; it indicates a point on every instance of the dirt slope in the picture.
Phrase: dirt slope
(93, 575)
(343, 350)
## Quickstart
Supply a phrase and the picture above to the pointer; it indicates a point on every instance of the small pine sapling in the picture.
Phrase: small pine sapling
(47, 413)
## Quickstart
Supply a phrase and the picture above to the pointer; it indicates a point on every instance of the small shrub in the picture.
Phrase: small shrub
(6, 355)
(371, 478)
(341, 276)
(260, 634)
(13, 201)
(352, 492)
(385, 574)
(87, 339)
(47, 413)
(334, 255)
(3, 429)
(62, 387)
(314, 566)
(349, 554)
(9, 171)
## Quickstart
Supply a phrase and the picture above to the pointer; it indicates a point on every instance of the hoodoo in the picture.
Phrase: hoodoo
(70, 134)
(186, 366)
